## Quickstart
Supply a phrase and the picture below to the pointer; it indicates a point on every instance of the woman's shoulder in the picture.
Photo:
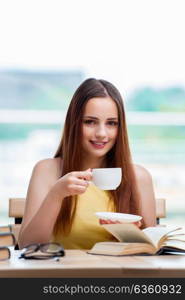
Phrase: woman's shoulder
(141, 173)
(49, 166)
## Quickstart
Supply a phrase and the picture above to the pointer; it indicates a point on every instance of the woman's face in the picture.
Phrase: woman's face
(99, 126)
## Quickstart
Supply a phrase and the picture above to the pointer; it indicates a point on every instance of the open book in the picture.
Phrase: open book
(132, 240)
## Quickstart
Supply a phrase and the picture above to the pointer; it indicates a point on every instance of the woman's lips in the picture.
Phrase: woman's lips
(98, 145)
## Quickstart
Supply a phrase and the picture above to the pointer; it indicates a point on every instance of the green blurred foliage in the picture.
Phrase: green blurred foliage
(156, 132)
(22, 131)
(40, 90)
(171, 99)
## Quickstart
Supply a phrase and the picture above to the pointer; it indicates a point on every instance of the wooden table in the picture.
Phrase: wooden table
(79, 264)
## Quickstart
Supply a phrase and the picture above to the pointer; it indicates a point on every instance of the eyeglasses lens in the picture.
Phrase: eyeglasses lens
(31, 249)
(51, 248)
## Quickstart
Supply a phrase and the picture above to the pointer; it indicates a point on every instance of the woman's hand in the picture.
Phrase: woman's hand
(102, 221)
(74, 183)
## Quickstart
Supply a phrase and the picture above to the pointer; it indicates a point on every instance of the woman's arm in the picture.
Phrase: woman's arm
(42, 204)
(44, 197)
(147, 197)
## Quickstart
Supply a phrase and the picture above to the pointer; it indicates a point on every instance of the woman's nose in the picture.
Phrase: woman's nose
(101, 131)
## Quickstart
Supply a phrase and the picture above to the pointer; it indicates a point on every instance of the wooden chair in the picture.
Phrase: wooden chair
(160, 209)
(16, 211)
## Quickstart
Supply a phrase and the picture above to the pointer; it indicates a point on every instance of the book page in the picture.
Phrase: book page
(128, 233)
(175, 244)
(119, 248)
(178, 237)
(158, 234)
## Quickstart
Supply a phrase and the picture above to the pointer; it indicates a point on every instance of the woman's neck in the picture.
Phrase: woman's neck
(93, 163)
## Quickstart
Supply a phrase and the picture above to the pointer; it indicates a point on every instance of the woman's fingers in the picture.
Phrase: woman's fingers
(138, 224)
(74, 183)
(102, 221)
(77, 189)
(87, 175)
(81, 182)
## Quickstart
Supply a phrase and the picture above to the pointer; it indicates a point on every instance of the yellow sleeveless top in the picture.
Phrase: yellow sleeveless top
(86, 230)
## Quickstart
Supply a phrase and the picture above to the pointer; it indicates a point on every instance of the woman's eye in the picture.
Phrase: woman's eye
(112, 123)
(94, 122)
(89, 122)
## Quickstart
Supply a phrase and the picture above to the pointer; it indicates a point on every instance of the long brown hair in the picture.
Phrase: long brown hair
(69, 150)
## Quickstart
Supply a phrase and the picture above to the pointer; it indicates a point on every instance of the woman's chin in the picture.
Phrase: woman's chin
(99, 153)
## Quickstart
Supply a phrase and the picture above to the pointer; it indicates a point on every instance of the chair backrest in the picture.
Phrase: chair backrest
(16, 208)
(160, 209)
(16, 211)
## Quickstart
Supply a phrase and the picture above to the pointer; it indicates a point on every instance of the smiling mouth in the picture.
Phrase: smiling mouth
(98, 145)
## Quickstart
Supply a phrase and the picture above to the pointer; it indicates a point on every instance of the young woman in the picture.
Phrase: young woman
(61, 204)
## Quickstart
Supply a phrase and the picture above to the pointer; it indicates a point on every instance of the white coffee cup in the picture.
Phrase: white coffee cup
(107, 178)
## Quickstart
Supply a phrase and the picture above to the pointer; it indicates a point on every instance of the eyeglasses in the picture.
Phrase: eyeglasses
(42, 251)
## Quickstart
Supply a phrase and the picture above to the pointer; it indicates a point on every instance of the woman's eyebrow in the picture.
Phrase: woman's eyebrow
(92, 117)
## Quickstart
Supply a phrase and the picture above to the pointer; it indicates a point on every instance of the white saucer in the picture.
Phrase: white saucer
(123, 218)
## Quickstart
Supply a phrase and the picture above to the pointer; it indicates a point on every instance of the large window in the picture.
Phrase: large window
(32, 111)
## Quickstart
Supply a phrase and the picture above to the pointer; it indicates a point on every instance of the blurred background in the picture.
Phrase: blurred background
(49, 47)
